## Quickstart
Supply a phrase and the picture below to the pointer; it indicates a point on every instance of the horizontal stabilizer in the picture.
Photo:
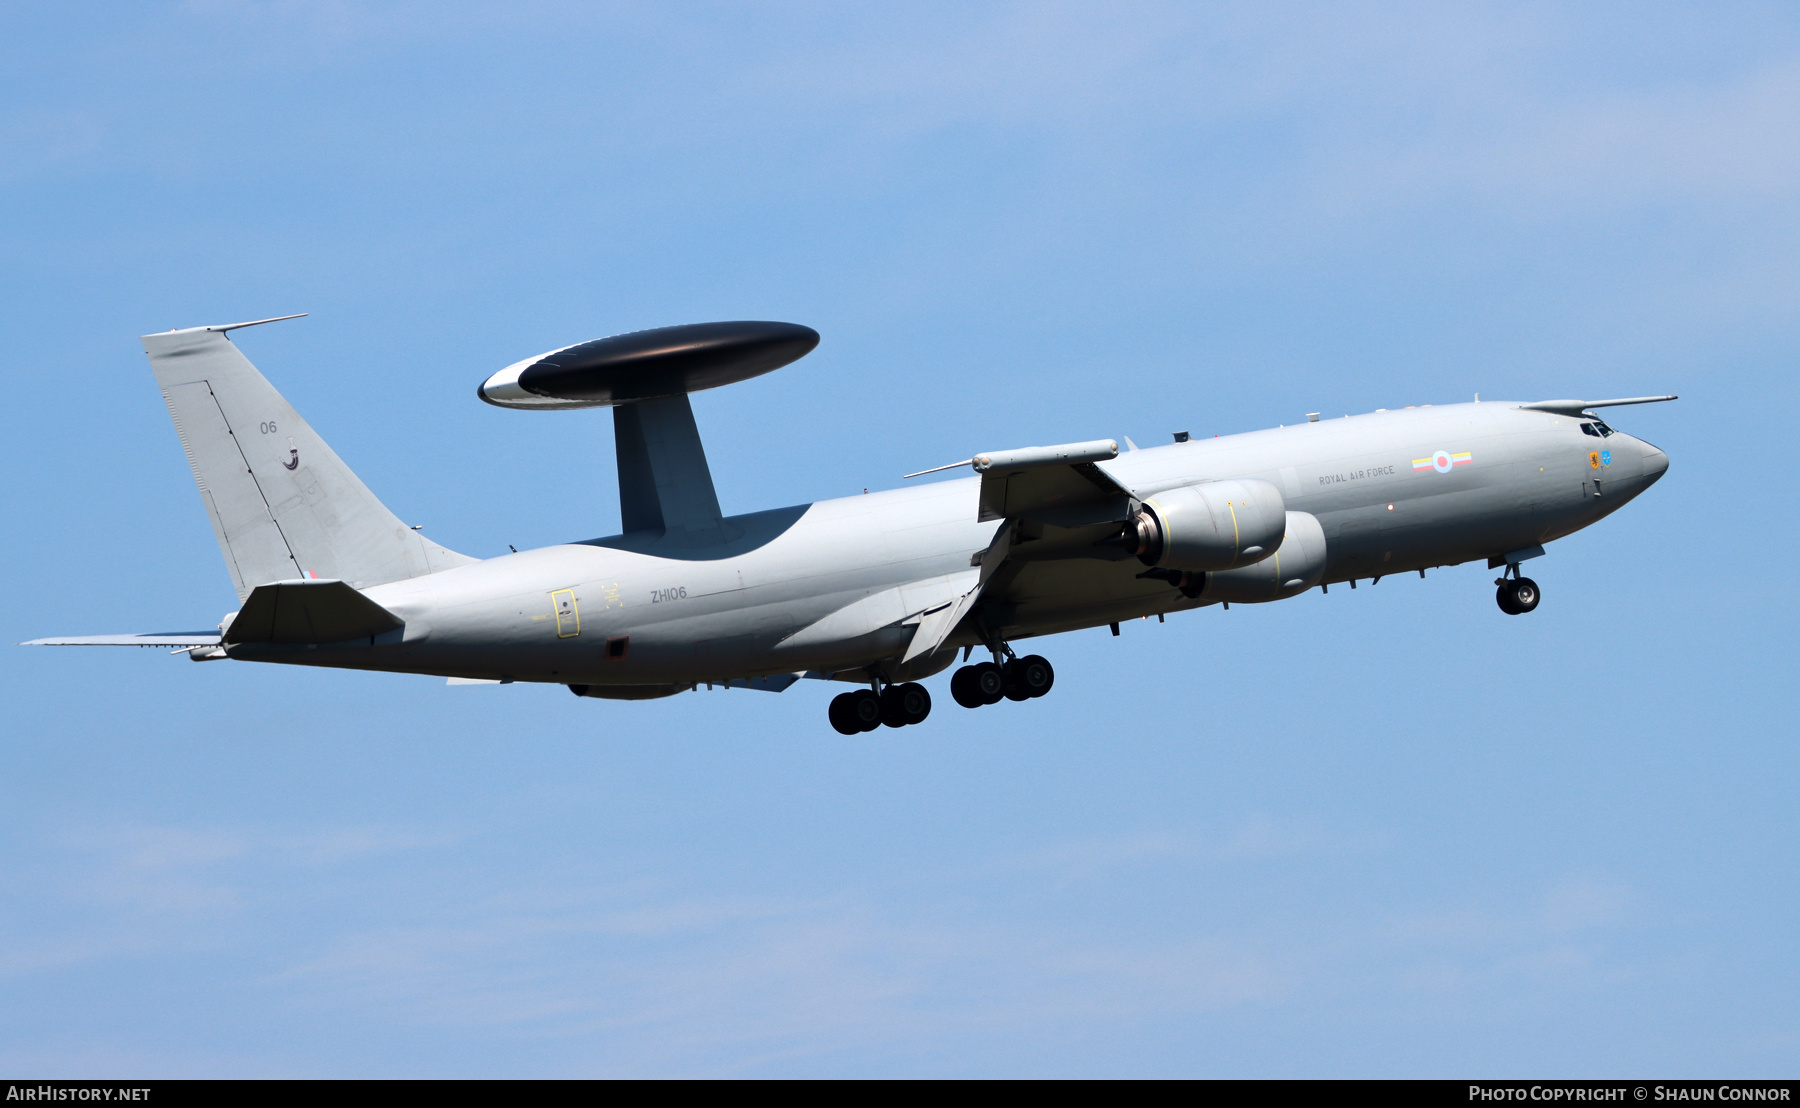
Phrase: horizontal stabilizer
(309, 612)
(159, 638)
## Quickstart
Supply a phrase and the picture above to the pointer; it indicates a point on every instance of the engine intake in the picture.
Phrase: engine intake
(1218, 525)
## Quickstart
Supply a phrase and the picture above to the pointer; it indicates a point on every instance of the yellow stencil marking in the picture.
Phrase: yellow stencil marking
(568, 616)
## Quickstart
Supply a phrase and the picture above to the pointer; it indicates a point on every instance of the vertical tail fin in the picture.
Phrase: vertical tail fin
(282, 504)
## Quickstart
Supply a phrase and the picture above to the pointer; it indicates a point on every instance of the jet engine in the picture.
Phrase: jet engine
(1218, 525)
(1297, 566)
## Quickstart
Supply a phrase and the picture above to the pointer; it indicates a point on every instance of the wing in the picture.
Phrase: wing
(1047, 482)
(1057, 504)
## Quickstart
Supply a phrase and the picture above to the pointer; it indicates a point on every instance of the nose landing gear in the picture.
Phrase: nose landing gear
(1517, 595)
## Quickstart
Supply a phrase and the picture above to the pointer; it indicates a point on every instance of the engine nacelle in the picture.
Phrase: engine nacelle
(1215, 526)
(1297, 566)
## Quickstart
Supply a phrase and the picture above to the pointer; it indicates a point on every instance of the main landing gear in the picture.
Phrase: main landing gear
(987, 683)
(852, 713)
(897, 706)
(1516, 595)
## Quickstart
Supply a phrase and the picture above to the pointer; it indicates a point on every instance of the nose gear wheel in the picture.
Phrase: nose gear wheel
(1516, 596)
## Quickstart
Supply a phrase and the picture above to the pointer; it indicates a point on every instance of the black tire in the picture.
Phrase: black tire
(839, 714)
(988, 682)
(893, 712)
(1016, 688)
(1503, 597)
(864, 709)
(912, 703)
(1036, 674)
(963, 690)
(1525, 595)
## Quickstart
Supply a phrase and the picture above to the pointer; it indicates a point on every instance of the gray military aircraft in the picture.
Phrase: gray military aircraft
(879, 590)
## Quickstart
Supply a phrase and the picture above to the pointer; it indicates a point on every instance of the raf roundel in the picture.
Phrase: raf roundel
(1442, 461)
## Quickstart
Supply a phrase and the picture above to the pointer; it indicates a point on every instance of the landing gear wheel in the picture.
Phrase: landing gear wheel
(839, 714)
(1503, 597)
(1016, 688)
(1518, 596)
(1525, 595)
(1031, 675)
(988, 682)
(917, 702)
(902, 705)
(963, 690)
(863, 709)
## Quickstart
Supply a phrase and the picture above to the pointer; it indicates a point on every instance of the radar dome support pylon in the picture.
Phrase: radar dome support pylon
(645, 377)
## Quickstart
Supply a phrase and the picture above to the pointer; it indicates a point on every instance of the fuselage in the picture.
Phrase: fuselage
(1394, 491)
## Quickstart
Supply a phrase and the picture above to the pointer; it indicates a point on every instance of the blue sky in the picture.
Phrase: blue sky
(1380, 832)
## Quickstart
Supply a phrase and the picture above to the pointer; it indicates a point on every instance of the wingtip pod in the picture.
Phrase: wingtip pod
(648, 365)
(1099, 450)
(1033, 457)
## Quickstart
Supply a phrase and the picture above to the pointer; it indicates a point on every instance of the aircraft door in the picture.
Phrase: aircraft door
(568, 616)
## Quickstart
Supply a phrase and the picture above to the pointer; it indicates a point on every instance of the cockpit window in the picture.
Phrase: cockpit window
(1588, 429)
(1605, 431)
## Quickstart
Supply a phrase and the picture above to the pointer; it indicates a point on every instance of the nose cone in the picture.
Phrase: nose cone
(1656, 463)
